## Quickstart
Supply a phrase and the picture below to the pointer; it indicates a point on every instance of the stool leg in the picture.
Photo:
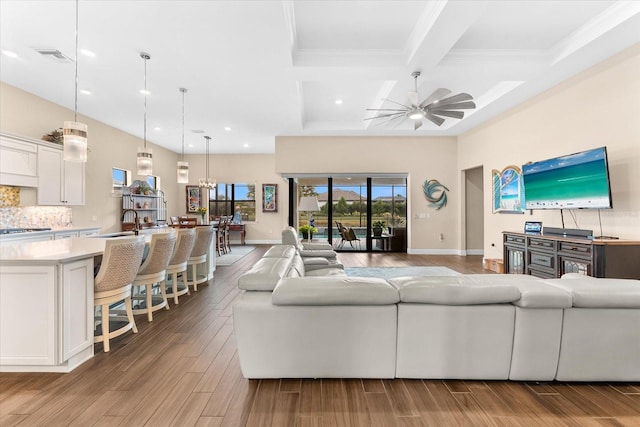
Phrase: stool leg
(105, 327)
(127, 307)
(163, 292)
(194, 270)
(148, 287)
(174, 284)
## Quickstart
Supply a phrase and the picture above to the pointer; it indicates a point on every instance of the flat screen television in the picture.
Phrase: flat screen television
(575, 181)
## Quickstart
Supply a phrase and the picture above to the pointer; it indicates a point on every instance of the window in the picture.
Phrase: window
(121, 178)
(153, 181)
(227, 199)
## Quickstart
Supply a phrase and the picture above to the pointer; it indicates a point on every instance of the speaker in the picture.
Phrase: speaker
(568, 232)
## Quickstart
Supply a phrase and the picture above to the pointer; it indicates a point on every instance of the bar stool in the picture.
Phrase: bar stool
(178, 264)
(154, 271)
(221, 241)
(112, 284)
(199, 253)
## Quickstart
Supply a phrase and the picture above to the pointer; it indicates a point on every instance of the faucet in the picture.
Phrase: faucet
(136, 223)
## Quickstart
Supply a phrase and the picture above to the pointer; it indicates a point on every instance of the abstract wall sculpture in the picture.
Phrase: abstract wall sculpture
(435, 193)
(508, 190)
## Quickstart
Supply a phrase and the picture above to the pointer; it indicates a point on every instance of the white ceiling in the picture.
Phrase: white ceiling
(272, 68)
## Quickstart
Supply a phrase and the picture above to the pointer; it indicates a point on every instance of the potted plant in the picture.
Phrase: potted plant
(306, 229)
(377, 227)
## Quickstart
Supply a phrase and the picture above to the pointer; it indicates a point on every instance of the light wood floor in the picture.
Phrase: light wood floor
(183, 370)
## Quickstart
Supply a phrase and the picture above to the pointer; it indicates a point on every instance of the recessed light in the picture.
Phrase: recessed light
(190, 145)
(157, 128)
(9, 53)
(246, 145)
(145, 92)
(338, 101)
(87, 52)
(227, 128)
(85, 92)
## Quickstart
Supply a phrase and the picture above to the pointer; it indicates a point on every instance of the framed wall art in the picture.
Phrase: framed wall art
(269, 197)
(193, 198)
(508, 190)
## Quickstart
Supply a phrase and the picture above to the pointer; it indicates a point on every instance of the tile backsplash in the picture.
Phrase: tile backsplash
(9, 196)
(35, 216)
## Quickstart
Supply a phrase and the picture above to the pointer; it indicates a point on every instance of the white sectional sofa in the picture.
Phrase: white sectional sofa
(295, 323)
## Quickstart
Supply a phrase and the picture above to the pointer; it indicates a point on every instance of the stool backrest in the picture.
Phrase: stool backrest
(120, 263)
(160, 251)
(204, 236)
(184, 245)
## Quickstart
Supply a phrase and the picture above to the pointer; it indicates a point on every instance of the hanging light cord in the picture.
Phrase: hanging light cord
(145, 99)
(75, 110)
(183, 92)
(207, 160)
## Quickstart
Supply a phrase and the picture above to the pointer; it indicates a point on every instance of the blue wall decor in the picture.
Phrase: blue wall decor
(508, 190)
(435, 193)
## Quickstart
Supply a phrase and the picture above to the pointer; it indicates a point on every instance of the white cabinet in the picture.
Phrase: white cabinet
(64, 235)
(60, 183)
(18, 162)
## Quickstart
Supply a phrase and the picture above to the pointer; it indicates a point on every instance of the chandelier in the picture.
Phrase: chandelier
(207, 182)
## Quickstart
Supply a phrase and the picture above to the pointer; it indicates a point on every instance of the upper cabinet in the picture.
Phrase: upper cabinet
(18, 162)
(60, 183)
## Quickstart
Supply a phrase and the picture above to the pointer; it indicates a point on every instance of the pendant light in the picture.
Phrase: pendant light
(144, 160)
(183, 167)
(74, 134)
(207, 182)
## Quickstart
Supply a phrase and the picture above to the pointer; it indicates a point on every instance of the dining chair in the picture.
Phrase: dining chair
(112, 284)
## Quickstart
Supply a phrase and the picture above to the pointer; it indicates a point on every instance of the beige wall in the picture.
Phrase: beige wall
(599, 107)
(421, 158)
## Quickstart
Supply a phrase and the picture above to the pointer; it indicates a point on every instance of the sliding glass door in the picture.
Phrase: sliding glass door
(356, 213)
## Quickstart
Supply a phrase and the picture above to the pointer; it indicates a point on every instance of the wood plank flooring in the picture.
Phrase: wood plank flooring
(182, 370)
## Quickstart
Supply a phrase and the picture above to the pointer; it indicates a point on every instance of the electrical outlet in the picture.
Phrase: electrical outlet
(94, 218)
(441, 236)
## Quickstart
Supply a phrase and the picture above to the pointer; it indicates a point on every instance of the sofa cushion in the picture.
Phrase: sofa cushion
(534, 292)
(280, 251)
(334, 290)
(452, 290)
(315, 260)
(591, 292)
(265, 274)
(327, 271)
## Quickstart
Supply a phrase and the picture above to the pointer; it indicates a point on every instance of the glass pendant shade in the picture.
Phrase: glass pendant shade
(183, 172)
(144, 162)
(74, 135)
(208, 183)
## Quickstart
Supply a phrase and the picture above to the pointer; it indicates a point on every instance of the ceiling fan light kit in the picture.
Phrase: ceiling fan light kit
(430, 108)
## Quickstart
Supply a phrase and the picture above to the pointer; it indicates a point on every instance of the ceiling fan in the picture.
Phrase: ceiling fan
(431, 108)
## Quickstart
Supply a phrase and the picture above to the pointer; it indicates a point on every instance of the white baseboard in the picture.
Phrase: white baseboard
(435, 252)
(475, 251)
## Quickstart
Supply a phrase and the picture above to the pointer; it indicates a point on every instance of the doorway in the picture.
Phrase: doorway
(474, 211)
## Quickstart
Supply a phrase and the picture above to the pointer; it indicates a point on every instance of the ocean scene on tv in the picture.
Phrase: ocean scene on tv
(575, 181)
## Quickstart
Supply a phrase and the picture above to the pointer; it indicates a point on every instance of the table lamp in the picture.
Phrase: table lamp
(309, 204)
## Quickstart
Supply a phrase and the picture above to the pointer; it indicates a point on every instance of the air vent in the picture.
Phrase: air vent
(55, 55)
(197, 131)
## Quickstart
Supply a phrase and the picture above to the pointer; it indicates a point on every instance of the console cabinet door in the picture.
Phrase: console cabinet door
(60, 183)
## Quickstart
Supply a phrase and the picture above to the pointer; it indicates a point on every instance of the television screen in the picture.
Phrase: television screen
(576, 181)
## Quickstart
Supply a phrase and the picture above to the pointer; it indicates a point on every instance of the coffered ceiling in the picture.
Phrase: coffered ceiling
(270, 68)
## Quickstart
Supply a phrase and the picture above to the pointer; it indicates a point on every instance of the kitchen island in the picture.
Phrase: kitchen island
(46, 302)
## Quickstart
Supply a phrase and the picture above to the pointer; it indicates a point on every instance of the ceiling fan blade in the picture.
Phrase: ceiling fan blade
(437, 120)
(457, 106)
(386, 122)
(384, 115)
(453, 99)
(436, 95)
(413, 98)
(454, 114)
(417, 124)
(397, 103)
(383, 109)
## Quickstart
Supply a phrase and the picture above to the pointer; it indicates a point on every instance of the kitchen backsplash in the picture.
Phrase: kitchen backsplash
(9, 196)
(35, 216)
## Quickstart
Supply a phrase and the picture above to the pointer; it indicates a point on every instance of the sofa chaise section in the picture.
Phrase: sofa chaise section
(320, 327)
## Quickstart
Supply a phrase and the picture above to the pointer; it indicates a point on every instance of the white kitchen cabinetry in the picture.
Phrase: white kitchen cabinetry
(18, 162)
(60, 183)
(64, 234)
(55, 333)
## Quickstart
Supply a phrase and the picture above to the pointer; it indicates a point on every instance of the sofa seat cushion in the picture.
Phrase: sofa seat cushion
(534, 292)
(265, 274)
(280, 251)
(329, 270)
(452, 290)
(326, 253)
(316, 260)
(334, 290)
(591, 292)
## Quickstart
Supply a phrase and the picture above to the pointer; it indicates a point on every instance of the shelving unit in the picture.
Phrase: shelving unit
(151, 209)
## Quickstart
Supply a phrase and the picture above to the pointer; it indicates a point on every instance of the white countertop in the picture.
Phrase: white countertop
(65, 250)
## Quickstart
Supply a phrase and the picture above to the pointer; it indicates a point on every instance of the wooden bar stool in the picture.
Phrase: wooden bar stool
(120, 263)
(152, 272)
